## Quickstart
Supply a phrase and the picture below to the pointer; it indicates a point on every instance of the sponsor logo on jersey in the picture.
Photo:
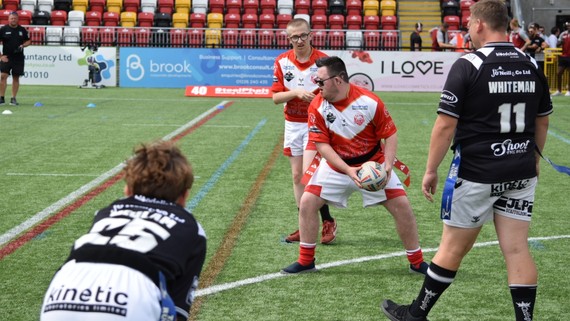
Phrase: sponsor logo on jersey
(359, 119)
(359, 107)
(447, 97)
(508, 147)
(95, 299)
(500, 188)
(506, 54)
(507, 87)
(275, 79)
(289, 76)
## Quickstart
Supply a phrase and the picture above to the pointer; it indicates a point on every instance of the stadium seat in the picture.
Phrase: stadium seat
(148, 5)
(230, 38)
(142, 37)
(128, 19)
(371, 22)
(145, 19)
(30, 5)
(166, 6)
(45, 5)
(319, 39)
(465, 6)
(200, 6)
(268, 6)
(180, 20)
(58, 18)
(162, 20)
(354, 22)
(80, 5)
(249, 21)
(4, 17)
(131, 5)
(233, 6)
(336, 39)
(318, 22)
(110, 19)
(214, 20)
(266, 38)
(197, 20)
(320, 7)
(232, 20)
(453, 21)
(371, 7)
(41, 18)
(64, 5)
(25, 17)
(97, 5)
(93, 18)
(115, 6)
(247, 38)
(217, 6)
(450, 8)
(250, 7)
(267, 21)
(305, 17)
(337, 7)
(195, 38)
(178, 38)
(71, 36)
(213, 38)
(125, 37)
(371, 40)
(388, 7)
(282, 20)
(11, 5)
(389, 22)
(285, 7)
(354, 8)
(465, 21)
(37, 35)
(54, 36)
(281, 39)
(303, 6)
(336, 21)
(354, 40)
(390, 41)
(89, 36)
(76, 18)
(107, 36)
(181, 6)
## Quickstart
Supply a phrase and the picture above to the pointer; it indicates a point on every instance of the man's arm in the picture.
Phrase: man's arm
(540, 134)
(334, 159)
(285, 96)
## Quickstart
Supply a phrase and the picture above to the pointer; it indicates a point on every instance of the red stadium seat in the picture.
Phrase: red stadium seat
(465, 6)
(217, 6)
(232, 20)
(319, 39)
(267, 21)
(97, 5)
(354, 8)
(25, 17)
(390, 41)
(371, 40)
(453, 21)
(89, 36)
(336, 39)
(302, 6)
(4, 16)
(166, 6)
(197, 20)
(281, 39)
(11, 5)
(354, 22)
(125, 37)
(465, 21)
(58, 18)
(110, 19)
(249, 21)
(230, 38)
(319, 7)
(93, 18)
(37, 35)
(268, 6)
(142, 37)
(336, 21)
(251, 7)
(146, 19)
(195, 38)
(266, 38)
(178, 37)
(283, 20)
(131, 5)
(318, 22)
(107, 37)
(371, 22)
(233, 6)
(247, 38)
(389, 22)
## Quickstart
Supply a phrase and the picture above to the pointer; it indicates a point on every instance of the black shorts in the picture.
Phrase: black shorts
(564, 62)
(12, 67)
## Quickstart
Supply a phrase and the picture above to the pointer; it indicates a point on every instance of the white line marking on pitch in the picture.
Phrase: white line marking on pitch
(52, 174)
(258, 279)
(40, 216)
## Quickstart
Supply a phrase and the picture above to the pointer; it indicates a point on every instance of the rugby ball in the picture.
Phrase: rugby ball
(373, 176)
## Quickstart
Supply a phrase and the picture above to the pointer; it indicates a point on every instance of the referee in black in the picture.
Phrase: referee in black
(14, 38)
(493, 111)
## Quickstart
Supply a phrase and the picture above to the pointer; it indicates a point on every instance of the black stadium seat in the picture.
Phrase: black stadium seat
(162, 20)
(41, 18)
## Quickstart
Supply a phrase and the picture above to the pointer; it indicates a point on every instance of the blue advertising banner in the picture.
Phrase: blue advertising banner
(181, 67)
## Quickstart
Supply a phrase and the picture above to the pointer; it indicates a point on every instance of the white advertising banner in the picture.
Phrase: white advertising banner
(397, 70)
(54, 65)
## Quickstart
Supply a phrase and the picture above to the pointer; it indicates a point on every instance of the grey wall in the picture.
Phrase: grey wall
(543, 12)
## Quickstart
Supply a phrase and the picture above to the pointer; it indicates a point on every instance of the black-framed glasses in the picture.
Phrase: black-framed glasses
(303, 36)
(321, 82)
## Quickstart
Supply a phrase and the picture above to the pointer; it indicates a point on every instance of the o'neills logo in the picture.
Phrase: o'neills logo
(96, 299)
(241, 91)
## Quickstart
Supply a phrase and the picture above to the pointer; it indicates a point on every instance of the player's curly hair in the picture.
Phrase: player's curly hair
(159, 170)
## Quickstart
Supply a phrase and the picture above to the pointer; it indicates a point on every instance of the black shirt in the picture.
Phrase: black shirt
(415, 38)
(496, 93)
(12, 38)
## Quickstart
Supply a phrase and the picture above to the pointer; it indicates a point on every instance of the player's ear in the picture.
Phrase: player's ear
(182, 199)
(127, 191)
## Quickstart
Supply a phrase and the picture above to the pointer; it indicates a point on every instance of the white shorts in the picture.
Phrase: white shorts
(336, 188)
(100, 291)
(474, 204)
(296, 139)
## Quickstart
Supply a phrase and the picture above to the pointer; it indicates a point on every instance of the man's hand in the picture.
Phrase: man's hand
(429, 185)
(305, 95)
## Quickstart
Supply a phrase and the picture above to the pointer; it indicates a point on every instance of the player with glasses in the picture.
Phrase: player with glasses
(294, 87)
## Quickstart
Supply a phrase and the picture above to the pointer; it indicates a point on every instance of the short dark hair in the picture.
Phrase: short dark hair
(334, 65)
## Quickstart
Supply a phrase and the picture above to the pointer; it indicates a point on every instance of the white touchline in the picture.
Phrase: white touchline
(48, 211)
(258, 279)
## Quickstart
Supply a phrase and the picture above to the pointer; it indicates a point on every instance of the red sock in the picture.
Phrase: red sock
(416, 257)
(306, 253)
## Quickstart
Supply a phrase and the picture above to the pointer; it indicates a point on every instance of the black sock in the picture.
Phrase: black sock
(523, 300)
(325, 214)
(431, 290)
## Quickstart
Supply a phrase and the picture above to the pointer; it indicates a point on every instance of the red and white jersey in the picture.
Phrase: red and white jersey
(289, 74)
(564, 39)
(353, 126)
(518, 38)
